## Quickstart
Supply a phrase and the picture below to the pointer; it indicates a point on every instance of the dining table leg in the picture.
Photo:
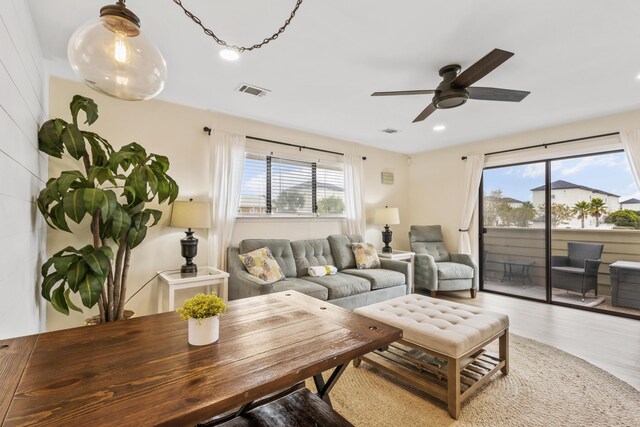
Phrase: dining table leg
(324, 388)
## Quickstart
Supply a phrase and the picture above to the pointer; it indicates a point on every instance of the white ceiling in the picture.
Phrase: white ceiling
(579, 59)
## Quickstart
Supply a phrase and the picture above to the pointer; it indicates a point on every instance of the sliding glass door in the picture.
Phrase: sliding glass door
(595, 223)
(565, 231)
(513, 242)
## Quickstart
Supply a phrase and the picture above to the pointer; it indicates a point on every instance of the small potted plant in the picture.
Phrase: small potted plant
(202, 312)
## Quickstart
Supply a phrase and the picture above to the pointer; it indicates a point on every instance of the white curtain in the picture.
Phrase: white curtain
(354, 193)
(472, 176)
(225, 168)
(631, 144)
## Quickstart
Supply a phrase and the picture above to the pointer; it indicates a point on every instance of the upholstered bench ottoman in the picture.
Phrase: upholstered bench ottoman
(442, 347)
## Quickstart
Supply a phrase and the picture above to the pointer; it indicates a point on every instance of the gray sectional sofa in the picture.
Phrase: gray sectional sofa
(349, 288)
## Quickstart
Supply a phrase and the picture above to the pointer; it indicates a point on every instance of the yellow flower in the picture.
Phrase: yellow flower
(202, 306)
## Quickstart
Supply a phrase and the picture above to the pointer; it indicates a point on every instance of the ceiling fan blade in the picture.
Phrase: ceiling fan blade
(496, 94)
(484, 66)
(404, 92)
(425, 113)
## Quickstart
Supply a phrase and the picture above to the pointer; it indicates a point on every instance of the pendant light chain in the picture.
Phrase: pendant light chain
(221, 42)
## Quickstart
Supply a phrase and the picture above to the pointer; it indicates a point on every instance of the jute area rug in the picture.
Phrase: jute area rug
(545, 387)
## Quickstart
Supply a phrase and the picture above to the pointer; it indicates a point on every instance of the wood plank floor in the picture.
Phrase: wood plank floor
(609, 342)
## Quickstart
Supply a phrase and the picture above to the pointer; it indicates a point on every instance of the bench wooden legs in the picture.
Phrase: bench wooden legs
(453, 387)
(504, 351)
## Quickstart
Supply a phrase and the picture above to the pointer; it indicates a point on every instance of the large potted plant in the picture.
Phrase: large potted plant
(109, 191)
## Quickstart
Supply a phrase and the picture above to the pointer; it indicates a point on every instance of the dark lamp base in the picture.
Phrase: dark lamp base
(386, 239)
(189, 270)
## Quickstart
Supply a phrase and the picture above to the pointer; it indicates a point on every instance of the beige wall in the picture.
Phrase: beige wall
(437, 177)
(176, 131)
(23, 171)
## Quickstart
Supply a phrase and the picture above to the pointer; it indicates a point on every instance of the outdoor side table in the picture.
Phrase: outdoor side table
(172, 281)
(522, 269)
(625, 284)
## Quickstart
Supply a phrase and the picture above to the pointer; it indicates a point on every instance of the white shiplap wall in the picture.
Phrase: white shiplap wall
(23, 171)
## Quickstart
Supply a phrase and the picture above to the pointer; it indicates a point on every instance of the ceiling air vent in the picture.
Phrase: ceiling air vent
(389, 130)
(252, 90)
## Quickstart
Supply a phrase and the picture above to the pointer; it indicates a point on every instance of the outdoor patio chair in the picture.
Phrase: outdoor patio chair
(435, 268)
(578, 271)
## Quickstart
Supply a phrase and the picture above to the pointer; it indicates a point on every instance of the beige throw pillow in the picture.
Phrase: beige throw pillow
(260, 263)
(366, 255)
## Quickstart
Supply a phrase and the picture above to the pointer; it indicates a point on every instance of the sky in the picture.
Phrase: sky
(608, 172)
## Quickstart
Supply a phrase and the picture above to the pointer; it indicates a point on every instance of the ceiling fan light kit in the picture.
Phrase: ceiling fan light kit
(455, 88)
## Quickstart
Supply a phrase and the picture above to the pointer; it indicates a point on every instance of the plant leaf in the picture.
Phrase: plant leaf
(85, 104)
(101, 174)
(73, 141)
(156, 214)
(49, 140)
(161, 162)
(109, 205)
(136, 236)
(93, 199)
(66, 179)
(48, 283)
(70, 303)
(73, 203)
(107, 251)
(90, 288)
(76, 273)
(138, 181)
(62, 263)
(98, 262)
(120, 223)
(58, 300)
(173, 189)
(58, 218)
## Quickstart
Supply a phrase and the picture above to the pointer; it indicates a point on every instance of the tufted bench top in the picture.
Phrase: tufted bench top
(445, 327)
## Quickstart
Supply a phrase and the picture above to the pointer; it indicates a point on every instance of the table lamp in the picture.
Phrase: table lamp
(190, 215)
(387, 216)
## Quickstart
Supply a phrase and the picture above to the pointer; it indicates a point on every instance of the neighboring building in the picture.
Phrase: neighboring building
(569, 194)
(513, 203)
(632, 204)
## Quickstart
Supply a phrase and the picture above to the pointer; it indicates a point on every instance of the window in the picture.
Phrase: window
(278, 186)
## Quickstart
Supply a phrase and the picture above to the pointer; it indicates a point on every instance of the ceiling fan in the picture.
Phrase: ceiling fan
(456, 88)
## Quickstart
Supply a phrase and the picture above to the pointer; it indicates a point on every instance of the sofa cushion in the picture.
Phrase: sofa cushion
(453, 270)
(365, 255)
(342, 285)
(280, 249)
(341, 250)
(303, 286)
(379, 278)
(260, 263)
(311, 253)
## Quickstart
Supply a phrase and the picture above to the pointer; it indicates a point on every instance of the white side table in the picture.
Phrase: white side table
(172, 281)
(401, 256)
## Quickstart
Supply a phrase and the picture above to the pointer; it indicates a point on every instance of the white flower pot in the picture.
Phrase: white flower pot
(204, 331)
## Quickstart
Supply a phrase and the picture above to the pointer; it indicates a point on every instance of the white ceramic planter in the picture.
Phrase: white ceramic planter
(207, 332)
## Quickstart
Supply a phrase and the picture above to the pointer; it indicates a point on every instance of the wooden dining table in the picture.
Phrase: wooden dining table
(142, 371)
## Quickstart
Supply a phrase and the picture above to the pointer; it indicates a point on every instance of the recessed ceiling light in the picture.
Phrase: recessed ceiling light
(229, 54)
(638, 77)
(439, 128)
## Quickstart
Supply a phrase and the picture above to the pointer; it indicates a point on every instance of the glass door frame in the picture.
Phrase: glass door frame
(547, 233)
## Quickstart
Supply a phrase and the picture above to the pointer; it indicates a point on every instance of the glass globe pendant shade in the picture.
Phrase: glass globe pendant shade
(112, 55)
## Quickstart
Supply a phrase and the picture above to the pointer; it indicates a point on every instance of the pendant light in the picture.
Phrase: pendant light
(111, 55)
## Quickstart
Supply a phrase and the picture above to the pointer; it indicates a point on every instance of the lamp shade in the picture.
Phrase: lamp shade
(386, 216)
(188, 214)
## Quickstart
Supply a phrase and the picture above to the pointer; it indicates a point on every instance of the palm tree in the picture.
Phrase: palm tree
(597, 208)
(581, 210)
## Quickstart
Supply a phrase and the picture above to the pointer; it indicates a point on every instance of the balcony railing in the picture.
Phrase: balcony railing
(528, 244)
